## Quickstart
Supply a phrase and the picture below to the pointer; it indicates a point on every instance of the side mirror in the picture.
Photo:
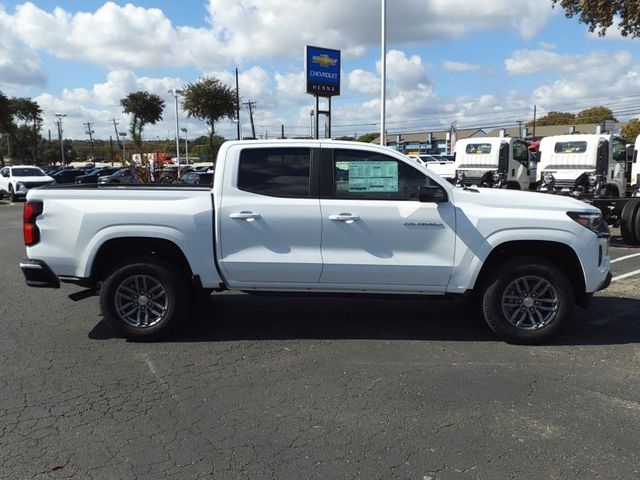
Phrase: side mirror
(431, 194)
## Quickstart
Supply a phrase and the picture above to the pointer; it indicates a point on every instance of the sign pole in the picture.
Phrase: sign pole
(329, 117)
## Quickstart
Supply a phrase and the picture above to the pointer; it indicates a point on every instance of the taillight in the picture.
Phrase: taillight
(30, 229)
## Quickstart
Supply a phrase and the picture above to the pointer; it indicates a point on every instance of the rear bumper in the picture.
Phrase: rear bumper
(38, 274)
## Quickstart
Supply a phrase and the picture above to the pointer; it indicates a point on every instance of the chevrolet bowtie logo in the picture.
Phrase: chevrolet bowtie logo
(324, 60)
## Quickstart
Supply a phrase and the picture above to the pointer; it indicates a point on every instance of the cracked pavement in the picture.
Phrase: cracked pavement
(290, 388)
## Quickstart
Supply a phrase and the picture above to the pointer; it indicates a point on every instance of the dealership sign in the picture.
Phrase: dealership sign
(322, 67)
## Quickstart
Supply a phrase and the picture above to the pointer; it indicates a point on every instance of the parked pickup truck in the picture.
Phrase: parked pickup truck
(317, 217)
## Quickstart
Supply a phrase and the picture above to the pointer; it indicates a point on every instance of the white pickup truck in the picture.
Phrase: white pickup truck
(317, 217)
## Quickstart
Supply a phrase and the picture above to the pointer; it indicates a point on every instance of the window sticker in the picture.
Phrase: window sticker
(373, 176)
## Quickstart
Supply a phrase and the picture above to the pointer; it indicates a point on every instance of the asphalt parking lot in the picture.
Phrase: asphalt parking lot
(275, 388)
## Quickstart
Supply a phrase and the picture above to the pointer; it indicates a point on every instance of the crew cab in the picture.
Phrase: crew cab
(501, 162)
(16, 180)
(315, 217)
(584, 165)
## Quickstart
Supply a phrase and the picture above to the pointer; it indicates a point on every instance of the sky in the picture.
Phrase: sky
(481, 64)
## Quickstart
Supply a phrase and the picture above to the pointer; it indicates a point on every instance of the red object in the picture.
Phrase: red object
(57, 467)
(29, 228)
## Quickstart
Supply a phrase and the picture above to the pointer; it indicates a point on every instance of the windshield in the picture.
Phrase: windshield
(27, 172)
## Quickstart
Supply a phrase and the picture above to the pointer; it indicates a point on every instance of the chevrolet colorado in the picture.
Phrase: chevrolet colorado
(317, 217)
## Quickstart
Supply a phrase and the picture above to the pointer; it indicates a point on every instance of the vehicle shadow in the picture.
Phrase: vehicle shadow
(223, 318)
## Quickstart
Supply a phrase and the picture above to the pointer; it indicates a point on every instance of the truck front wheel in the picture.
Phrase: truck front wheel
(146, 300)
(526, 300)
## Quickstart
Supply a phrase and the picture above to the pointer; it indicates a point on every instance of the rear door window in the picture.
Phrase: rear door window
(275, 172)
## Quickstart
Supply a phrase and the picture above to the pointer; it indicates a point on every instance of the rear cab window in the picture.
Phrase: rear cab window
(570, 147)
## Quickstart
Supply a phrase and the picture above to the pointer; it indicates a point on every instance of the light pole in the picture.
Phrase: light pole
(175, 93)
(383, 71)
(60, 117)
(186, 145)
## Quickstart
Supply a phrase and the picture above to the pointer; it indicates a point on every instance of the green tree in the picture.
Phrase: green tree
(144, 108)
(6, 114)
(555, 118)
(631, 130)
(594, 115)
(368, 137)
(600, 14)
(29, 112)
(210, 100)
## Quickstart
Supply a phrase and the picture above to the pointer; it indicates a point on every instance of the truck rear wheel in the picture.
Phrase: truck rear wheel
(630, 222)
(145, 300)
(527, 300)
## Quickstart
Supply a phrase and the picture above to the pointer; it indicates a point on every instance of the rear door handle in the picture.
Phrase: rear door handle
(345, 217)
(248, 216)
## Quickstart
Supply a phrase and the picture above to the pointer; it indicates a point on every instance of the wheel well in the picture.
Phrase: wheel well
(116, 251)
(559, 254)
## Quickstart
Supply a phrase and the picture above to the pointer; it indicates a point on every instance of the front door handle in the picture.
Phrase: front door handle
(248, 216)
(345, 217)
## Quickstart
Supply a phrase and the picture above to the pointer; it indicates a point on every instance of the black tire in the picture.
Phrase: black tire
(518, 316)
(635, 223)
(164, 306)
(628, 219)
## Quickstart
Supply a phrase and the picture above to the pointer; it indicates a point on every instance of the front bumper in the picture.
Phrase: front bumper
(38, 274)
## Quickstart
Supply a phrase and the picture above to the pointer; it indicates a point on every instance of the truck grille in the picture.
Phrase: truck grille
(34, 184)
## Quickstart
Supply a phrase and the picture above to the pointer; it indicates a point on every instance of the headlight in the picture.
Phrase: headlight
(495, 177)
(19, 186)
(460, 174)
(591, 220)
(547, 178)
(592, 178)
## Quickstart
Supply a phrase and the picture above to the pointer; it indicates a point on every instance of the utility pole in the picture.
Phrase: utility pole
(519, 128)
(534, 122)
(250, 106)
(111, 148)
(35, 138)
(60, 117)
(282, 131)
(115, 126)
(90, 132)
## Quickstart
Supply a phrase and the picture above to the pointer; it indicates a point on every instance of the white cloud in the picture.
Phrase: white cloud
(19, 65)
(527, 62)
(460, 66)
(125, 37)
(361, 81)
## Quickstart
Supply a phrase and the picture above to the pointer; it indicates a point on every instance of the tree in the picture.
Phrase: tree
(29, 112)
(6, 115)
(631, 130)
(555, 118)
(600, 14)
(594, 115)
(368, 137)
(145, 108)
(210, 100)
